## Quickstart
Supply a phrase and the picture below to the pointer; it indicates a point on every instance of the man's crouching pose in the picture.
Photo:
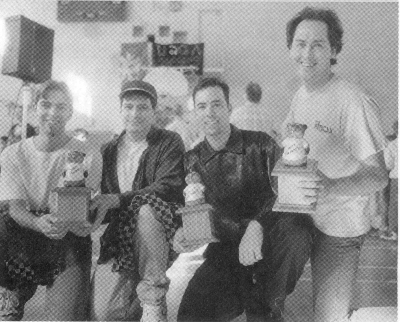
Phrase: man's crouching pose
(261, 254)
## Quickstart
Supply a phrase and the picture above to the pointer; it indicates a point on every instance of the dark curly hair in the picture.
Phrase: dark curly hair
(328, 16)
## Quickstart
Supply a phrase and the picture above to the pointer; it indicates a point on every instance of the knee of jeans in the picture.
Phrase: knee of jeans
(146, 216)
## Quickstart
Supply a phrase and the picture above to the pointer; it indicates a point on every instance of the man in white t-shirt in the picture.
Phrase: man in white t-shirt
(250, 116)
(35, 246)
(345, 138)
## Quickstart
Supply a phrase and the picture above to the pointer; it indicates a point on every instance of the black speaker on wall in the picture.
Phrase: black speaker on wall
(29, 52)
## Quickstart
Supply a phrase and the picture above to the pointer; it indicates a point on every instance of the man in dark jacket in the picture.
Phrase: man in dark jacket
(142, 183)
(261, 254)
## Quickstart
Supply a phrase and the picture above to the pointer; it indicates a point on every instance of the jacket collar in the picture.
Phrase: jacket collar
(234, 145)
(150, 138)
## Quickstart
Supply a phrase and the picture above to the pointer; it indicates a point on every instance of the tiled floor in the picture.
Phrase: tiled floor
(378, 284)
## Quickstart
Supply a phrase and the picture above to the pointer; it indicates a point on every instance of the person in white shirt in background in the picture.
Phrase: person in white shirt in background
(174, 110)
(346, 139)
(250, 115)
(185, 124)
(391, 160)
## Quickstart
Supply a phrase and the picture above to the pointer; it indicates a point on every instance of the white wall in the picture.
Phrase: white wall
(254, 48)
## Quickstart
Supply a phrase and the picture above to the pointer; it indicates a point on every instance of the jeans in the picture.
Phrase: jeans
(334, 264)
(222, 288)
(118, 295)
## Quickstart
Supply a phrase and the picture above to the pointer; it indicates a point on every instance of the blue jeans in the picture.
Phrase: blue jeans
(334, 264)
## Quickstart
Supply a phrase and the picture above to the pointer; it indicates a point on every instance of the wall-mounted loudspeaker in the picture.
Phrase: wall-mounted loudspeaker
(29, 52)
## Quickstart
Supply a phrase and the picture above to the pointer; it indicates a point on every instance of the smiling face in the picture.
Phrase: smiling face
(311, 51)
(137, 113)
(53, 111)
(213, 110)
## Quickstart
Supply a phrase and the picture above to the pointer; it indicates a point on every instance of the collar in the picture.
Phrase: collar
(234, 145)
(151, 136)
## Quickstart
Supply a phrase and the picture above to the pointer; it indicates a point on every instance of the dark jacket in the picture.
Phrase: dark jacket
(160, 169)
(237, 180)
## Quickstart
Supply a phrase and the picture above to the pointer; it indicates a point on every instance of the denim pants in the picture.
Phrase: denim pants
(117, 296)
(221, 288)
(334, 264)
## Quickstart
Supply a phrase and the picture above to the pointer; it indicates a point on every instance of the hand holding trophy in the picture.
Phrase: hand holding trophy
(292, 170)
(196, 217)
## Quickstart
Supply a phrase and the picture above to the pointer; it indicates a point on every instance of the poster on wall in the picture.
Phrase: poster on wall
(133, 61)
(179, 55)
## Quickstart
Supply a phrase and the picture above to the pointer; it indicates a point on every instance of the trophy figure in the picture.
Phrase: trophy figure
(71, 202)
(196, 215)
(293, 167)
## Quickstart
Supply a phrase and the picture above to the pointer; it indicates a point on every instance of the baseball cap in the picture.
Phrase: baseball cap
(140, 86)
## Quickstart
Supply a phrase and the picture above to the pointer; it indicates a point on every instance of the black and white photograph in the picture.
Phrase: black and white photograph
(199, 161)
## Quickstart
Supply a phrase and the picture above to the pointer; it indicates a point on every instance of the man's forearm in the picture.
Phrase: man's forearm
(362, 183)
(22, 216)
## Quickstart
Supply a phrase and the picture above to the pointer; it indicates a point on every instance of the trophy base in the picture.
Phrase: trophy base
(197, 224)
(71, 205)
(290, 197)
(285, 207)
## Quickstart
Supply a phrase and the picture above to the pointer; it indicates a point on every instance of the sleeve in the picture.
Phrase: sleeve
(361, 127)
(271, 154)
(389, 155)
(168, 177)
(11, 185)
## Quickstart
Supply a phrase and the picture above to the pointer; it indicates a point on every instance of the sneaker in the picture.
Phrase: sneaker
(9, 303)
(154, 313)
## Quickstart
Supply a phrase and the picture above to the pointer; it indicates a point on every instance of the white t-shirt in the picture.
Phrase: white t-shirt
(391, 159)
(129, 154)
(250, 117)
(31, 175)
(343, 129)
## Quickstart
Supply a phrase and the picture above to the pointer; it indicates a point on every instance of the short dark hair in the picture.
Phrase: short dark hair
(328, 16)
(131, 94)
(51, 85)
(211, 82)
(253, 92)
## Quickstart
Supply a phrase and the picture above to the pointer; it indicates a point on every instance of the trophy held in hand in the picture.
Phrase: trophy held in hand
(292, 168)
(70, 203)
(196, 215)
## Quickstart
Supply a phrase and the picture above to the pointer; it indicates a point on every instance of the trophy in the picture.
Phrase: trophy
(196, 215)
(292, 168)
(70, 203)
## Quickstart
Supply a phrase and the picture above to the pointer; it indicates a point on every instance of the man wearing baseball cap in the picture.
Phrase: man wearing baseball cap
(142, 185)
